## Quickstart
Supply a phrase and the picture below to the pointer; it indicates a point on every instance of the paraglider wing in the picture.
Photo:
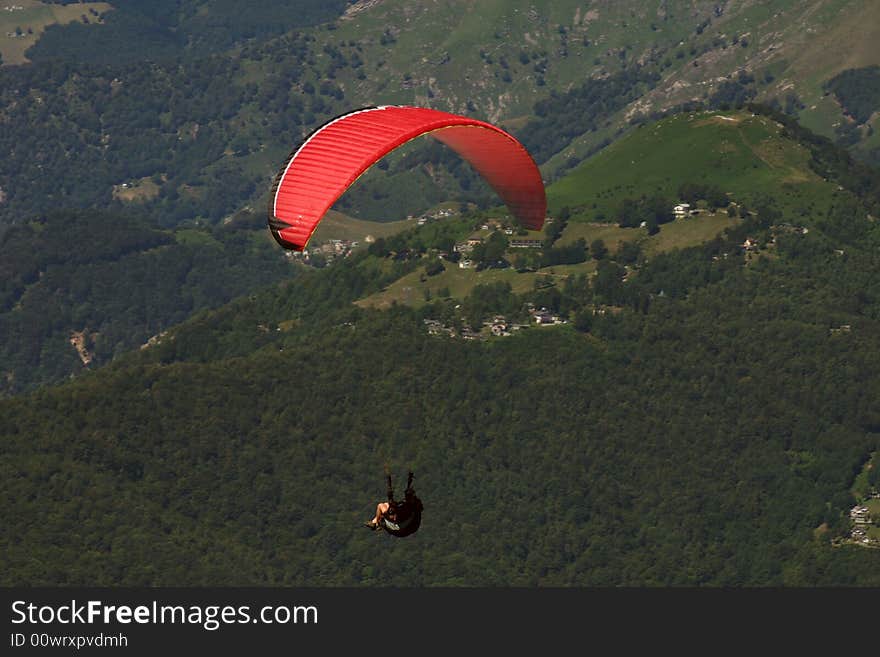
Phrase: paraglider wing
(340, 151)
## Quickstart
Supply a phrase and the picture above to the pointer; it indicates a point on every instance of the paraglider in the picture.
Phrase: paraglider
(398, 518)
(333, 157)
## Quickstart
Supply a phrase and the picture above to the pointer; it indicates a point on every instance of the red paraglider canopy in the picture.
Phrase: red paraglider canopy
(337, 153)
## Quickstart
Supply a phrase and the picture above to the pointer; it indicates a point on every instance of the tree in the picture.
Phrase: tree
(647, 209)
(608, 283)
(492, 250)
(378, 248)
(553, 231)
(629, 252)
(712, 194)
(434, 267)
(445, 243)
(598, 249)
(628, 214)
(565, 255)
(583, 320)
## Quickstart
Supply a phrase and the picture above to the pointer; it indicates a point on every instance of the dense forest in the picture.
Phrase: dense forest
(830, 160)
(173, 131)
(563, 116)
(704, 428)
(191, 137)
(165, 29)
(183, 404)
(116, 281)
(858, 91)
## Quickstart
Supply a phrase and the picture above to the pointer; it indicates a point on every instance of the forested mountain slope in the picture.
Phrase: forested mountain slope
(79, 288)
(199, 131)
(628, 398)
(83, 287)
(701, 420)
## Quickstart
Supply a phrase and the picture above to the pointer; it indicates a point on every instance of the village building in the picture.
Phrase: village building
(862, 523)
(544, 317)
(469, 334)
(443, 212)
(498, 325)
(859, 515)
(525, 244)
(434, 326)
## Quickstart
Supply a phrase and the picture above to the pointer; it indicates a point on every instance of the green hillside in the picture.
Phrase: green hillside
(749, 157)
(54, 294)
(23, 22)
(743, 154)
(637, 400)
(212, 107)
(460, 51)
(131, 30)
(697, 429)
(81, 288)
(700, 420)
(781, 52)
(338, 226)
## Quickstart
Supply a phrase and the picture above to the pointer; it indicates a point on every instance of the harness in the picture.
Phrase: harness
(407, 514)
(408, 518)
